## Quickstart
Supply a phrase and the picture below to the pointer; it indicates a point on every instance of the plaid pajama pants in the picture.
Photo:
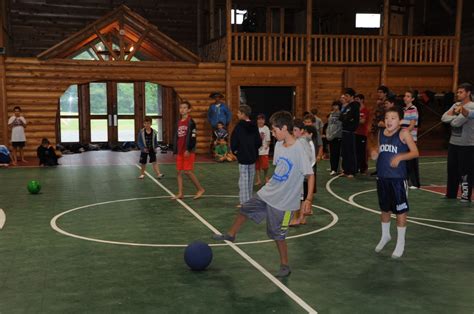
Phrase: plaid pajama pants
(246, 177)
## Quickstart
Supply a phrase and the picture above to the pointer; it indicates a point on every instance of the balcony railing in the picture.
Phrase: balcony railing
(260, 48)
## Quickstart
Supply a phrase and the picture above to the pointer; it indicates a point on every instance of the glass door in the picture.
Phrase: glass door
(101, 120)
(124, 113)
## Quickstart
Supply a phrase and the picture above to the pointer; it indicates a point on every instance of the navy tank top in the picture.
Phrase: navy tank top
(389, 146)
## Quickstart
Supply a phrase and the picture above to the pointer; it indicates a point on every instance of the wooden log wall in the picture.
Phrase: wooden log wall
(37, 85)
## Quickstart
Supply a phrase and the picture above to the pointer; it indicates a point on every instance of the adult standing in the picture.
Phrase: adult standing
(379, 115)
(410, 122)
(218, 112)
(361, 136)
(350, 121)
(461, 145)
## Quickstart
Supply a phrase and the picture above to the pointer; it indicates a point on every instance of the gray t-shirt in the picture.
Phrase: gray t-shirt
(284, 189)
(462, 128)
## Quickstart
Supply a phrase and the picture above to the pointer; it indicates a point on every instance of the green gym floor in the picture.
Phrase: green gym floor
(98, 240)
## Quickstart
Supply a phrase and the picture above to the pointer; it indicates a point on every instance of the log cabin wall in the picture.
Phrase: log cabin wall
(36, 86)
(37, 25)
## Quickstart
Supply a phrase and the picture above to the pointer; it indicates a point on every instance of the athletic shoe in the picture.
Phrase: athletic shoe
(141, 176)
(223, 237)
(160, 176)
(465, 200)
(283, 272)
(333, 173)
(412, 187)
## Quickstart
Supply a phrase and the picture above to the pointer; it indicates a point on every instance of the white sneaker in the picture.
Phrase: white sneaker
(412, 187)
(141, 176)
(332, 173)
(160, 176)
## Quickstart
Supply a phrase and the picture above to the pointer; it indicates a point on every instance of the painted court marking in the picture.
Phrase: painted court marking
(329, 189)
(55, 226)
(239, 251)
(353, 196)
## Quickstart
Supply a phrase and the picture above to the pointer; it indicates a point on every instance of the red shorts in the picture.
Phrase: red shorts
(185, 163)
(262, 162)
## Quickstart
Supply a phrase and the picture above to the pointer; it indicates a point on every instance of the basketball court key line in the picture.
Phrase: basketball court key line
(244, 255)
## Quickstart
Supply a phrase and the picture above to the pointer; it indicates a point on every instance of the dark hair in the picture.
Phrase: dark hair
(220, 122)
(309, 116)
(392, 99)
(246, 110)
(281, 118)
(360, 96)
(349, 91)
(44, 141)
(215, 95)
(384, 89)
(413, 93)
(314, 133)
(261, 116)
(337, 103)
(17, 107)
(467, 87)
(147, 119)
(314, 111)
(298, 123)
(397, 110)
(185, 102)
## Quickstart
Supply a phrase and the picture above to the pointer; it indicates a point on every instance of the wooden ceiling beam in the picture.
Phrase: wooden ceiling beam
(106, 43)
(138, 44)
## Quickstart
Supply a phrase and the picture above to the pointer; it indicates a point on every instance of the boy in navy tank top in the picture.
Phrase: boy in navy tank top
(395, 147)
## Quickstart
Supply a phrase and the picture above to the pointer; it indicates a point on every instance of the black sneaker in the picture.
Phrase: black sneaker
(284, 271)
(223, 237)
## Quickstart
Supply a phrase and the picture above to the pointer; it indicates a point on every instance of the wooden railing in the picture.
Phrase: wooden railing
(421, 50)
(338, 49)
(274, 48)
(256, 48)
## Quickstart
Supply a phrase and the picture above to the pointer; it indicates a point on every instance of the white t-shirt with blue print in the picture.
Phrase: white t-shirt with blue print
(284, 189)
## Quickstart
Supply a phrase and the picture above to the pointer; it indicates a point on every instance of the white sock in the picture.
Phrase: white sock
(385, 236)
(400, 247)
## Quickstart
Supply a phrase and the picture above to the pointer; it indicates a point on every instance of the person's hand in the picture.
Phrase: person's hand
(457, 109)
(395, 161)
(146, 150)
(307, 206)
(374, 154)
(186, 153)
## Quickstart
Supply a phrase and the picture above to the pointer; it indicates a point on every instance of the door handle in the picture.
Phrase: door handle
(115, 120)
(110, 120)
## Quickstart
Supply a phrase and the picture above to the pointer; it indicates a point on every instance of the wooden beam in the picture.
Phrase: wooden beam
(212, 20)
(96, 52)
(121, 41)
(138, 44)
(228, 29)
(309, 29)
(106, 43)
(457, 44)
(386, 25)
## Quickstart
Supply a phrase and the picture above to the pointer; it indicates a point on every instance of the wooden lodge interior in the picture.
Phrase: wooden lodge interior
(187, 49)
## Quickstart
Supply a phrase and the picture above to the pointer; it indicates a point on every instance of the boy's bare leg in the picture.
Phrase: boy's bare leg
(257, 176)
(195, 181)
(385, 238)
(142, 171)
(179, 178)
(22, 155)
(14, 159)
(265, 175)
(401, 231)
(156, 168)
(238, 222)
(283, 251)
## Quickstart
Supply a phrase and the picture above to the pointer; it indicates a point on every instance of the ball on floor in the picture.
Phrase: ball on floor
(34, 187)
(198, 255)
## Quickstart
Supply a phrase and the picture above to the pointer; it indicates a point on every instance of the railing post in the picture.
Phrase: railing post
(457, 43)
(228, 59)
(383, 72)
(309, 28)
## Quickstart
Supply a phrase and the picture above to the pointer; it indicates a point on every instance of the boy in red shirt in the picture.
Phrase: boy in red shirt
(184, 146)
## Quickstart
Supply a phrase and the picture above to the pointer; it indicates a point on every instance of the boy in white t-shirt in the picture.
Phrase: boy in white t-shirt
(261, 165)
(17, 123)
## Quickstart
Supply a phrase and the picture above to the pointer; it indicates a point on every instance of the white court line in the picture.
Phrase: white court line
(55, 227)
(328, 188)
(434, 192)
(351, 199)
(260, 268)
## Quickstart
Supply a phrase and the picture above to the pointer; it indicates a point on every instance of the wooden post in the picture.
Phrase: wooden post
(309, 28)
(386, 25)
(212, 20)
(3, 91)
(457, 44)
(198, 28)
(228, 29)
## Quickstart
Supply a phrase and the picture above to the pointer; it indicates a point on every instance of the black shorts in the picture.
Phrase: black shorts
(393, 196)
(18, 144)
(144, 157)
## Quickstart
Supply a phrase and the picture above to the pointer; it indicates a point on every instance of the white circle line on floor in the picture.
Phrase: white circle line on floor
(351, 199)
(55, 226)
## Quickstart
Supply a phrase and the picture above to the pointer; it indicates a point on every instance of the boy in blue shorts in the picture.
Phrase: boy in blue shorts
(395, 147)
(277, 200)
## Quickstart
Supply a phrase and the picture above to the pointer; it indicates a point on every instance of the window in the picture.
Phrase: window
(237, 16)
(69, 115)
(367, 20)
(153, 107)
